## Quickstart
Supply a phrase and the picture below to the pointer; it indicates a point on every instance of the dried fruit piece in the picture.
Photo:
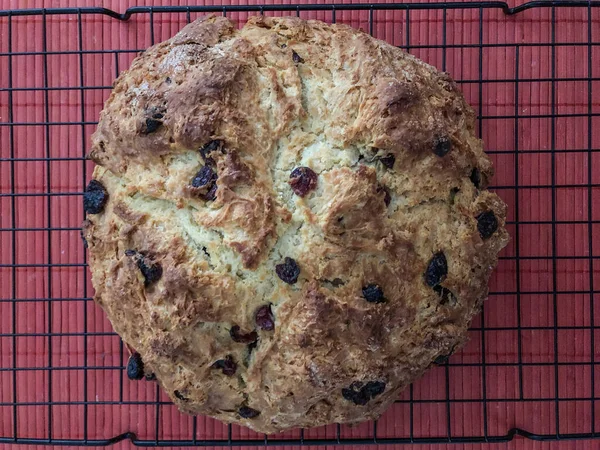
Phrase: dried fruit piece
(360, 395)
(388, 160)
(264, 318)
(487, 224)
(374, 388)
(135, 367)
(211, 146)
(94, 197)
(237, 336)
(180, 396)
(152, 271)
(154, 116)
(246, 412)
(303, 180)
(206, 179)
(288, 271)
(475, 177)
(358, 398)
(437, 269)
(373, 293)
(227, 365)
(442, 145)
(296, 57)
(151, 125)
(352, 392)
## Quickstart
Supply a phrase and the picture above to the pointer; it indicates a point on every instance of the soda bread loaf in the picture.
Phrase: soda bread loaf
(288, 222)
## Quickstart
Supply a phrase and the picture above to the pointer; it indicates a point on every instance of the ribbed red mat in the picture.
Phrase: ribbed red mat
(541, 321)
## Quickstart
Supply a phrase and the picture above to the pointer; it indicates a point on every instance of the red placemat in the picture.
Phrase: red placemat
(530, 361)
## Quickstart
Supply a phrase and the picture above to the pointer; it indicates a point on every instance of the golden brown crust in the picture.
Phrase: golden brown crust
(195, 148)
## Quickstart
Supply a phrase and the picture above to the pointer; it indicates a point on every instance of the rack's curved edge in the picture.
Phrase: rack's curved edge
(509, 436)
(304, 7)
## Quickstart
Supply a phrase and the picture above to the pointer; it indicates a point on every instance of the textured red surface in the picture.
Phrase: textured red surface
(557, 354)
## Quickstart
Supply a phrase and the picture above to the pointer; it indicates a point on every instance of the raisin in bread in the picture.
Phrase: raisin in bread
(289, 222)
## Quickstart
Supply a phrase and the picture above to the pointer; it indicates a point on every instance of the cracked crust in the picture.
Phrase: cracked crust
(252, 105)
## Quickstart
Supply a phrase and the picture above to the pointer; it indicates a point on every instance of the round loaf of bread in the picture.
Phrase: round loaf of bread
(288, 222)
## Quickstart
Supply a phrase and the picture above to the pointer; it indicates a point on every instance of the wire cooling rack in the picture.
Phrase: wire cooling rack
(533, 75)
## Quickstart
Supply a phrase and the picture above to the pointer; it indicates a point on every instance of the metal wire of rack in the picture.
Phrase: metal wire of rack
(531, 366)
